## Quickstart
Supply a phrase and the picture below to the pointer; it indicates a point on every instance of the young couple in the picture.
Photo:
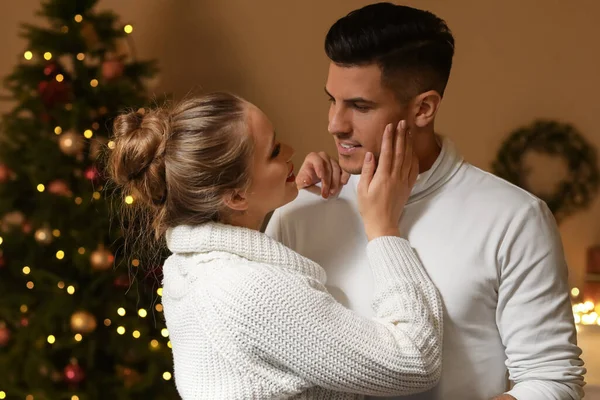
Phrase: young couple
(422, 277)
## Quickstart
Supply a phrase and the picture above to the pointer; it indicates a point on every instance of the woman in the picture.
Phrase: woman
(249, 318)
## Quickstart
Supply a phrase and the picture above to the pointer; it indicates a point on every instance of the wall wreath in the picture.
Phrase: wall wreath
(555, 139)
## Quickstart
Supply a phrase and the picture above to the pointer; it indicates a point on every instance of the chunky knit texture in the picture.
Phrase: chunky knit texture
(251, 319)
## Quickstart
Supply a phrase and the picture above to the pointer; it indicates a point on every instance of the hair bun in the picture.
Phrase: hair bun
(137, 160)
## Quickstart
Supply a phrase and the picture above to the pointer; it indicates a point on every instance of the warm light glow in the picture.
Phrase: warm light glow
(164, 332)
(154, 344)
(575, 292)
(59, 78)
(41, 188)
(64, 29)
(111, 144)
(60, 254)
(169, 344)
(26, 270)
(94, 82)
(121, 330)
(68, 106)
(159, 307)
(30, 285)
(142, 313)
(78, 18)
(51, 339)
(23, 308)
(74, 397)
(167, 376)
(58, 130)
(56, 233)
(78, 337)
(2, 394)
(29, 397)
(96, 195)
(577, 318)
(135, 262)
(129, 199)
(1, 240)
(128, 28)
(47, 55)
(81, 56)
(28, 55)
(88, 133)
(61, 285)
(588, 305)
(78, 200)
(71, 289)
(81, 250)
(136, 334)
(121, 311)
(159, 291)
(107, 322)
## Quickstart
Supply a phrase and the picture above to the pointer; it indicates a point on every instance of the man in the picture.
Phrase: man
(492, 249)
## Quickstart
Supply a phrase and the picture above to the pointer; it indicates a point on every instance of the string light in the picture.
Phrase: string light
(64, 29)
(71, 289)
(169, 344)
(94, 82)
(78, 200)
(1, 240)
(28, 55)
(56, 233)
(51, 339)
(61, 285)
(23, 308)
(78, 337)
(159, 291)
(96, 195)
(135, 262)
(60, 254)
(41, 188)
(142, 313)
(59, 77)
(68, 106)
(30, 285)
(78, 18)
(159, 307)
(129, 199)
(110, 144)
(121, 311)
(136, 334)
(74, 397)
(95, 126)
(128, 28)
(26, 270)
(81, 250)
(121, 330)
(58, 130)
(81, 56)
(107, 322)
(167, 376)
(575, 292)
(88, 133)
(47, 56)
(29, 397)
(164, 332)
(2, 394)
(154, 344)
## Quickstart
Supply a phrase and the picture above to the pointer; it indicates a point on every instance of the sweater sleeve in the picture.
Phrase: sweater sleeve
(534, 313)
(288, 321)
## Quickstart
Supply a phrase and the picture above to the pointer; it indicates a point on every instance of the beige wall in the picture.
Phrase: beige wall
(513, 64)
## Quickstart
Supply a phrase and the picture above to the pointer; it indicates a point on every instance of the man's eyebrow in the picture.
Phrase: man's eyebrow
(353, 99)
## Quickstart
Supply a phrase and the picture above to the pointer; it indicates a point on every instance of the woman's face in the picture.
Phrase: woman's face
(273, 181)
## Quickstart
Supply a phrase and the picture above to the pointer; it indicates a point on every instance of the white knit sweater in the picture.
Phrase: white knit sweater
(251, 319)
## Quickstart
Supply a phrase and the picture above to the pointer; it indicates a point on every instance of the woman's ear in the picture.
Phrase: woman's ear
(236, 200)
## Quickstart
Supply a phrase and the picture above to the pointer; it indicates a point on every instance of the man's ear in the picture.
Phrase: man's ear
(424, 108)
(236, 200)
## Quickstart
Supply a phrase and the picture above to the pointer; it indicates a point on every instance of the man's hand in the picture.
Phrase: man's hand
(319, 167)
(504, 397)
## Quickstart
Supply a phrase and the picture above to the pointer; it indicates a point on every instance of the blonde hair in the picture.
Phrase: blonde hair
(179, 162)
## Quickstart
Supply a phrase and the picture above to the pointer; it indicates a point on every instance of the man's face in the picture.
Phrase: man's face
(360, 109)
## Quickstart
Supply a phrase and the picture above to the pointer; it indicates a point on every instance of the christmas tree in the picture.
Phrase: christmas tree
(78, 318)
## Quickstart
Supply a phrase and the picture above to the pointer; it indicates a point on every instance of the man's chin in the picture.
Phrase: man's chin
(350, 165)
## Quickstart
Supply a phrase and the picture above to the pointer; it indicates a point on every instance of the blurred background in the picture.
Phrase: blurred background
(516, 61)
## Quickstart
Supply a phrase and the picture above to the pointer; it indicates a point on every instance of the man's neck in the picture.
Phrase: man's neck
(427, 148)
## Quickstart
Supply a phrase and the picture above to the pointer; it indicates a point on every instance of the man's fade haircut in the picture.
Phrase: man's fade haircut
(413, 48)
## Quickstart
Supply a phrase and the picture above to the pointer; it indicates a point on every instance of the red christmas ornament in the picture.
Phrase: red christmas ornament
(5, 173)
(53, 92)
(60, 188)
(51, 70)
(73, 373)
(91, 173)
(4, 335)
(24, 322)
(112, 69)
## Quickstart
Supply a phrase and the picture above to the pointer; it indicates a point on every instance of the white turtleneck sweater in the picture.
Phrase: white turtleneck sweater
(249, 318)
(495, 255)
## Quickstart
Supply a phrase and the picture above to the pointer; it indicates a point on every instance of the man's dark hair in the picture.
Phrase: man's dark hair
(413, 48)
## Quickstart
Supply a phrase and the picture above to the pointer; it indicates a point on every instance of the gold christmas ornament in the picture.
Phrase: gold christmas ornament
(83, 322)
(101, 259)
(71, 143)
(43, 235)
